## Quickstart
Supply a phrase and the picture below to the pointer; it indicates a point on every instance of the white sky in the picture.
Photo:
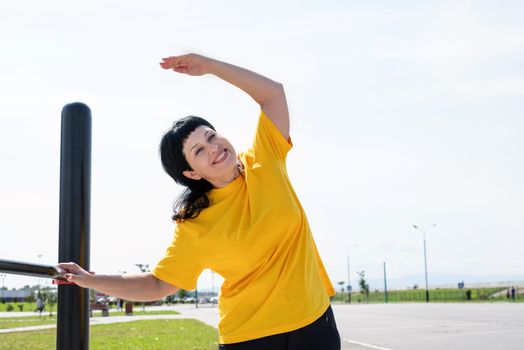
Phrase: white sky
(403, 112)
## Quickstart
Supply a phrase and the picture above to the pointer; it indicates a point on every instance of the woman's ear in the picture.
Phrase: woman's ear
(191, 175)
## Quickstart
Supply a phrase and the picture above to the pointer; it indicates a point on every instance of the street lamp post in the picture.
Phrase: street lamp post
(349, 283)
(3, 285)
(212, 287)
(349, 277)
(425, 256)
(38, 279)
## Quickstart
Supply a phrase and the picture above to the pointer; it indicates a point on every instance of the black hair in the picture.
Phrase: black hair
(194, 198)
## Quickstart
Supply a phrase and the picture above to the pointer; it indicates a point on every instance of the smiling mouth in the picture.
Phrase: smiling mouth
(221, 157)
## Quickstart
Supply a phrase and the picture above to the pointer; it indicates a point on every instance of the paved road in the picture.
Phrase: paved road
(433, 326)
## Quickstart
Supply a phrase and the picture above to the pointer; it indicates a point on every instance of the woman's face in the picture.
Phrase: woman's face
(210, 156)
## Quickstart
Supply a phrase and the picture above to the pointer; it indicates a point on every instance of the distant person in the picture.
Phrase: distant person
(508, 294)
(40, 305)
(513, 293)
(238, 216)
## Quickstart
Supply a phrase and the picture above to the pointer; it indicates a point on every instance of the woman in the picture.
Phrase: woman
(240, 217)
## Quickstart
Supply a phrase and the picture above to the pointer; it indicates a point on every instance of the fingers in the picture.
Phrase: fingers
(69, 267)
(70, 277)
(174, 62)
(72, 272)
(191, 64)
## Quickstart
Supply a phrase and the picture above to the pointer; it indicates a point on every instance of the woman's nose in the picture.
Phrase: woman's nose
(214, 148)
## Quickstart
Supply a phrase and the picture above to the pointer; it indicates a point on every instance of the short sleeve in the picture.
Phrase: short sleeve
(269, 141)
(180, 266)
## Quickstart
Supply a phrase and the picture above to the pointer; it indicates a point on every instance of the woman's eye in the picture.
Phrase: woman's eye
(198, 151)
(211, 137)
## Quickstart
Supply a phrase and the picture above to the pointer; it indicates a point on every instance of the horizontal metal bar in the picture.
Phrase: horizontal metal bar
(29, 269)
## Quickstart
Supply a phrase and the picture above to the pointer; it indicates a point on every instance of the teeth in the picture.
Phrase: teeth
(221, 157)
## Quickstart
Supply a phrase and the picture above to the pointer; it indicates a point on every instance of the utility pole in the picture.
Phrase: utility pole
(38, 279)
(196, 296)
(385, 285)
(212, 287)
(3, 285)
(349, 288)
(349, 283)
(425, 257)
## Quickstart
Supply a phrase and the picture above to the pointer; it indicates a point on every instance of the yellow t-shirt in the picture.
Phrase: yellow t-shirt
(256, 236)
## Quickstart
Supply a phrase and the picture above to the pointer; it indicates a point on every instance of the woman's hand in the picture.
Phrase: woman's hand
(76, 274)
(139, 287)
(191, 64)
(267, 93)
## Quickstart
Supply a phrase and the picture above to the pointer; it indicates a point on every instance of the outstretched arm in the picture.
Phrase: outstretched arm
(267, 93)
(138, 287)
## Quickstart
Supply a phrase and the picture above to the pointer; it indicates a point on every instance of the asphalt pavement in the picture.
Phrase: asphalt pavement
(433, 326)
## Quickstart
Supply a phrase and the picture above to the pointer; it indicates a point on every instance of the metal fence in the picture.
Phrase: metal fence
(436, 295)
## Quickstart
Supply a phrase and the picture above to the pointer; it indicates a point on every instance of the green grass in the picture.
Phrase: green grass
(419, 295)
(25, 321)
(137, 335)
(32, 307)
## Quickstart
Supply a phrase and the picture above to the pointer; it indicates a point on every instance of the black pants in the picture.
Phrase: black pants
(319, 335)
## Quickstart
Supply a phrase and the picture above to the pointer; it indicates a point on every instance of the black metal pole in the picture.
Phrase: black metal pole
(74, 229)
(196, 297)
(426, 269)
(29, 269)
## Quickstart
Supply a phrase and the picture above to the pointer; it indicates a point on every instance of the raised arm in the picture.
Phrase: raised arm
(267, 93)
(137, 287)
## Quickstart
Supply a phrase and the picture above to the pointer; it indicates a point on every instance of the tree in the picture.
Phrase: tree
(182, 293)
(341, 284)
(143, 267)
(364, 286)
